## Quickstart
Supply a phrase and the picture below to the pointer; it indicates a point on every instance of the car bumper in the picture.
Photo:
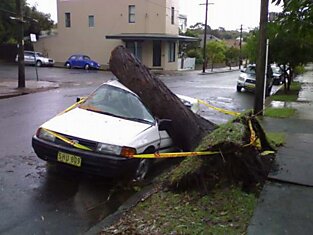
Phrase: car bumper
(91, 162)
(94, 66)
(49, 63)
(246, 85)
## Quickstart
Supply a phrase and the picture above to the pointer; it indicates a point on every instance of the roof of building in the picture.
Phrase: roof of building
(151, 37)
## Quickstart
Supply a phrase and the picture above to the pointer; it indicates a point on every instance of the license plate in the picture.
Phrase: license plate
(69, 159)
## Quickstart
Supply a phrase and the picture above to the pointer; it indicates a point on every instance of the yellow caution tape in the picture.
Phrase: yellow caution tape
(219, 109)
(73, 106)
(68, 141)
(252, 133)
(254, 140)
(173, 155)
(268, 152)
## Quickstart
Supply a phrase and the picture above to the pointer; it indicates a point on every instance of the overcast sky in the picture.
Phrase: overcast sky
(229, 14)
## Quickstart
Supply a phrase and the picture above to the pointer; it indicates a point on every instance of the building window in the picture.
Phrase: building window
(172, 15)
(135, 47)
(91, 21)
(131, 14)
(171, 51)
(67, 20)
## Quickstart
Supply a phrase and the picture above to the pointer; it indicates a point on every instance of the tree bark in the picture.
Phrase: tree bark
(187, 128)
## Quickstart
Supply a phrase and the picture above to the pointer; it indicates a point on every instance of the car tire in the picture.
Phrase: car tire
(68, 65)
(239, 88)
(87, 67)
(38, 63)
(143, 167)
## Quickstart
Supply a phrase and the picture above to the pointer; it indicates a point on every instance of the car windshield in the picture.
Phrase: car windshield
(250, 70)
(39, 54)
(117, 102)
(86, 57)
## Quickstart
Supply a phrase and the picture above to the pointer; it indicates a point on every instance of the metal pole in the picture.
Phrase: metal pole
(265, 71)
(260, 63)
(240, 46)
(204, 38)
(20, 45)
(37, 78)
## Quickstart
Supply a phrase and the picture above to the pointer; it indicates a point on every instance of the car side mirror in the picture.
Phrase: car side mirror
(78, 99)
(164, 124)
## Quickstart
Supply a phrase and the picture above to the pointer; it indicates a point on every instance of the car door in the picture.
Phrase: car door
(29, 58)
(80, 62)
(166, 142)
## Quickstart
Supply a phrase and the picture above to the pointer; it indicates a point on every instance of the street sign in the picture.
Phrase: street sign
(33, 37)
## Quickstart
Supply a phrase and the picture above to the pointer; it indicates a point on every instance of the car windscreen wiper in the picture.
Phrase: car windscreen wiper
(138, 120)
(101, 112)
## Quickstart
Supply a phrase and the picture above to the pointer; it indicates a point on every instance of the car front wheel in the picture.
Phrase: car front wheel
(142, 169)
(68, 65)
(239, 88)
(38, 63)
(87, 66)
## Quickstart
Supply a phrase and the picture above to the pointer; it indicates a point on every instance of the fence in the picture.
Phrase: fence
(186, 63)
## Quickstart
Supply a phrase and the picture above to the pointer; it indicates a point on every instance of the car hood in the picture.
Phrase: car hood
(96, 127)
(247, 76)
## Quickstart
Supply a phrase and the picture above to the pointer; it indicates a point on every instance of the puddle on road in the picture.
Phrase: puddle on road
(48, 197)
(91, 197)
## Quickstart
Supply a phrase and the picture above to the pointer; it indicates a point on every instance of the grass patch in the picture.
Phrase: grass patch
(225, 210)
(279, 112)
(290, 96)
(276, 138)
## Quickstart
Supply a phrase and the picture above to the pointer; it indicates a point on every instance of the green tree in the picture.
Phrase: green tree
(249, 49)
(35, 21)
(38, 21)
(231, 55)
(7, 26)
(215, 52)
(291, 35)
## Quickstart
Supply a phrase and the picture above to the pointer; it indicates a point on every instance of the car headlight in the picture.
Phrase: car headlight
(116, 150)
(241, 79)
(45, 135)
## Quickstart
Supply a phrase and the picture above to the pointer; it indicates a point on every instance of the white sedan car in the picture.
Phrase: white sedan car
(102, 131)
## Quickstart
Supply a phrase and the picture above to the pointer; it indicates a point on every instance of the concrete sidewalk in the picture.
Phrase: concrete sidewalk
(8, 87)
(285, 205)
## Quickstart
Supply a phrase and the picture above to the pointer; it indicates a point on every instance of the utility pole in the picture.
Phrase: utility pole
(240, 61)
(205, 33)
(20, 45)
(261, 60)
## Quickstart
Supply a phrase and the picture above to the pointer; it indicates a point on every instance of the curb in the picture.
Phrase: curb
(27, 91)
(214, 72)
(131, 202)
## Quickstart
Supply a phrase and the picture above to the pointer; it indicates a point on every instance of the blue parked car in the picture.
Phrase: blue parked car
(81, 61)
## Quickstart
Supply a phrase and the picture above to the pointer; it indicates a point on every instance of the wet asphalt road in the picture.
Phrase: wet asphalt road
(37, 198)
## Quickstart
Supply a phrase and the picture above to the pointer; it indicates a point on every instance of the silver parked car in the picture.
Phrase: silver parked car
(247, 79)
(36, 58)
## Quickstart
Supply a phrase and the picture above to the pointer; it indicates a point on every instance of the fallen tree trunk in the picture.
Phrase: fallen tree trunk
(187, 129)
(240, 141)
